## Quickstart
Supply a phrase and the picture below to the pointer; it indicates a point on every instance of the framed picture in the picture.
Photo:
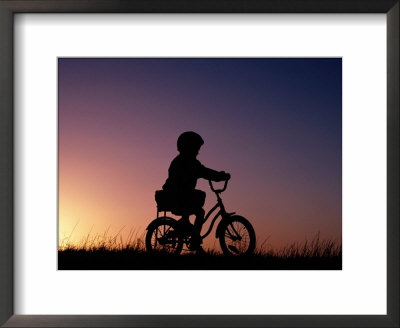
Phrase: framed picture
(108, 106)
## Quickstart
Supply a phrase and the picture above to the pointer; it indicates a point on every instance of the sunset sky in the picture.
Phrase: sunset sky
(274, 124)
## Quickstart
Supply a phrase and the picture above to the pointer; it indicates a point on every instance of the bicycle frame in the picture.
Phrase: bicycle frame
(222, 212)
(174, 239)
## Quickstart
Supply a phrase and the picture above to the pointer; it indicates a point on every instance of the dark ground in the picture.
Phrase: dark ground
(139, 260)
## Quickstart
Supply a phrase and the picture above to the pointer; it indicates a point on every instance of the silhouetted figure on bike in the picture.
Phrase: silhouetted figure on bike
(180, 186)
(168, 235)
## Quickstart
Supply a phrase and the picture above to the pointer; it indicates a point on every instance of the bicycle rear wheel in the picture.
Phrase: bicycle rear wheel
(163, 236)
(237, 237)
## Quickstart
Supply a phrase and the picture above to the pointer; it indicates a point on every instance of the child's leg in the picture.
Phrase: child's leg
(199, 198)
(198, 223)
(185, 224)
(195, 203)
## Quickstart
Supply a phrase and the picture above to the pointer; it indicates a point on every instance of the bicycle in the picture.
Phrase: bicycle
(235, 233)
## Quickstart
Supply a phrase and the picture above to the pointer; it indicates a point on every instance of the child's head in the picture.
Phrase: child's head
(189, 143)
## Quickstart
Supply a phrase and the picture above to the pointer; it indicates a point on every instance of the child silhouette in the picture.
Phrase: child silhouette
(180, 186)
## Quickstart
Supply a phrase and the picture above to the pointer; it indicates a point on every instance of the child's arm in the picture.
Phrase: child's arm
(213, 175)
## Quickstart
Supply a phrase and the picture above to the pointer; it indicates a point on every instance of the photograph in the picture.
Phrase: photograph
(199, 163)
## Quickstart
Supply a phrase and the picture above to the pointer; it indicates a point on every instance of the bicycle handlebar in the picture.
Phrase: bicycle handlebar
(218, 190)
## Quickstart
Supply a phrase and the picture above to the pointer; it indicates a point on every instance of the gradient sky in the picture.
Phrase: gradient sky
(274, 124)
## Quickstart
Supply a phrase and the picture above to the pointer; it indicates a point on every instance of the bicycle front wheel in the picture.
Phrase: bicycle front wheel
(163, 236)
(237, 237)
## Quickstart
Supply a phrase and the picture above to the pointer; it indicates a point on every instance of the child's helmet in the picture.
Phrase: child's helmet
(189, 140)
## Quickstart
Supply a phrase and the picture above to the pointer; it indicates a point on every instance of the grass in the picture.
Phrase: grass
(105, 252)
(105, 242)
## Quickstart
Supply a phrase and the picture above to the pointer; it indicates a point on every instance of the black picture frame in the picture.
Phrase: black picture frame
(10, 7)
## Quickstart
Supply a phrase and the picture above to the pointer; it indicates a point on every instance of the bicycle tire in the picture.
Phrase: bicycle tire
(163, 236)
(237, 247)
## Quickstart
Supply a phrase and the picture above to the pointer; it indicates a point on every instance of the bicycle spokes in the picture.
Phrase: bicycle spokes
(233, 249)
(164, 238)
(237, 237)
(233, 234)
